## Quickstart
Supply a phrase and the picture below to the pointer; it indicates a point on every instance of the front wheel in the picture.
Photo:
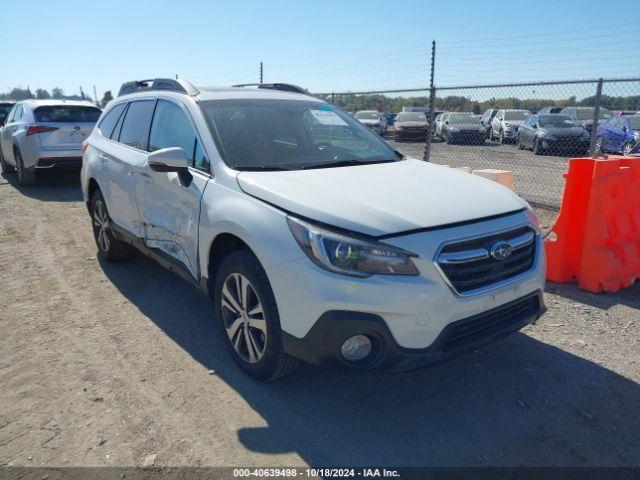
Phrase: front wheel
(537, 148)
(627, 148)
(246, 309)
(109, 248)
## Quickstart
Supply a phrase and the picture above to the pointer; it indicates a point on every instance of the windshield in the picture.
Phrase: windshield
(67, 113)
(516, 114)
(558, 121)
(292, 134)
(587, 113)
(367, 116)
(460, 118)
(634, 123)
(411, 117)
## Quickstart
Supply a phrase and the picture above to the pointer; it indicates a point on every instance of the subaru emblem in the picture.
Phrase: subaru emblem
(501, 250)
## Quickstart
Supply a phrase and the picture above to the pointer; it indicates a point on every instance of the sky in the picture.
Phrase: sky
(324, 46)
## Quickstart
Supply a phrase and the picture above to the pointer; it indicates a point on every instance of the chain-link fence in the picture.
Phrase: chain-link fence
(530, 129)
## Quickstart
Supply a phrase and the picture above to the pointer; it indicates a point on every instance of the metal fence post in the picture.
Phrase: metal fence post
(432, 101)
(596, 115)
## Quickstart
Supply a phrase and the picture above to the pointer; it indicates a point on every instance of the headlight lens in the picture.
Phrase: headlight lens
(348, 255)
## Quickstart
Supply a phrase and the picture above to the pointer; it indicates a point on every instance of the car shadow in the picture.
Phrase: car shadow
(49, 187)
(516, 402)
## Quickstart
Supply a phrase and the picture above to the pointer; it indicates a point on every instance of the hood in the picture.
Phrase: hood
(382, 198)
(563, 132)
(515, 123)
(412, 124)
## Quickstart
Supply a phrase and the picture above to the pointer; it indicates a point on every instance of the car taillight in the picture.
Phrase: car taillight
(85, 144)
(33, 129)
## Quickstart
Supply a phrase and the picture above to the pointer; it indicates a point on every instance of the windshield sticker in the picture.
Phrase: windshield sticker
(328, 118)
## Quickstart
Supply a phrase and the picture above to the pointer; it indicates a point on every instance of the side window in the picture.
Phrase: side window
(201, 162)
(18, 114)
(136, 124)
(12, 113)
(171, 127)
(110, 119)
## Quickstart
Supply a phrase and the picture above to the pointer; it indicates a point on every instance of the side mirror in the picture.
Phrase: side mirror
(172, 159)
(447, 122)
(624, 128)
(534, 125)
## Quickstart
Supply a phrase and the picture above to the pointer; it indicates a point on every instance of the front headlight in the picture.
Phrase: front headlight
(454, 129)
(356, 256)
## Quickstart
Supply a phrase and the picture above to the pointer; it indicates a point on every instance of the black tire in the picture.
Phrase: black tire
(26, 177)
(109, 248)
(273, 362)
(6, 168)
(537, 149)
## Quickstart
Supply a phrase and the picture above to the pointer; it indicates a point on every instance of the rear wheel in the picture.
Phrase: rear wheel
(6, 168)
(27, 177)
(109, 248)
(247, 311)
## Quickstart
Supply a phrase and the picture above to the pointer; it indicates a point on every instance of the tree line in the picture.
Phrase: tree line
(18, 93)
(455, 103)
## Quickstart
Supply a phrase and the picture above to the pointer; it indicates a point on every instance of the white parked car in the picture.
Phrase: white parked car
(316, 240)
(505, 125)
(373, 120)
(45, 134)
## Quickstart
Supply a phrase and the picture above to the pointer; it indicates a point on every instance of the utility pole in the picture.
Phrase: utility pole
(81, 93)
(260, 72)
(432, 101)
(95, 95)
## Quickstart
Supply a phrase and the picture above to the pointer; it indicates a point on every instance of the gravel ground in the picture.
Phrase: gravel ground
(107, 364)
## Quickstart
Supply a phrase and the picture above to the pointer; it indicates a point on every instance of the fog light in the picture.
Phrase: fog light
(356, 348)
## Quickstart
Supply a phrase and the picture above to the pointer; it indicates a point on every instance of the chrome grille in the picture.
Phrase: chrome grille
(470, 265)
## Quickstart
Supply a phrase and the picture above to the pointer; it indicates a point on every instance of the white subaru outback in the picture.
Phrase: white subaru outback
(316, 240)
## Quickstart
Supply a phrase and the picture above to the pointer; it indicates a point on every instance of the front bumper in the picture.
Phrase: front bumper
(321, 346)
(410, 134)
(474, 136)
(566, 144)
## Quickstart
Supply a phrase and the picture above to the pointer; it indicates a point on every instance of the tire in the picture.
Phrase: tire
(251, 326)
(109, 248)
(627, 148)
(4, 166)
(537, 149)
(26, 177)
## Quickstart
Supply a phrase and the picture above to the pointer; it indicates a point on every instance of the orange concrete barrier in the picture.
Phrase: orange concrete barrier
(597, 233)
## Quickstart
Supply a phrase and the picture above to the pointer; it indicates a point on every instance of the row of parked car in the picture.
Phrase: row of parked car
(551, 130)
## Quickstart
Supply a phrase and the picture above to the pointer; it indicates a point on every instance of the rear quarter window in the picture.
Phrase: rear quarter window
(66, 114)
(109, 121)
(135, 126)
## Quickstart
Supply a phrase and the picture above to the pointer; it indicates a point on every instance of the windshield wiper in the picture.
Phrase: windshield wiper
(259, 168)
(344, 163)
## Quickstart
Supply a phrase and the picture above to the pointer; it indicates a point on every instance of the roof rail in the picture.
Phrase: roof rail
(169, 84)
(285, 87)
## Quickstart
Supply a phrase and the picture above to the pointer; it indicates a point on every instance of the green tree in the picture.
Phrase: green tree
(42, 94)
(57, 93)
(106, 98)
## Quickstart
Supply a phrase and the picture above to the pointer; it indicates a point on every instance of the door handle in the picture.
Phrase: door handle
(104, 158)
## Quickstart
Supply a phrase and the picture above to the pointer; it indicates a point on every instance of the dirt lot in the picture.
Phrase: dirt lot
(106, 364)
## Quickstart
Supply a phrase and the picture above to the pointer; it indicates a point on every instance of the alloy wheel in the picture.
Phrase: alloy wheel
(101, 225)
(243, 318)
